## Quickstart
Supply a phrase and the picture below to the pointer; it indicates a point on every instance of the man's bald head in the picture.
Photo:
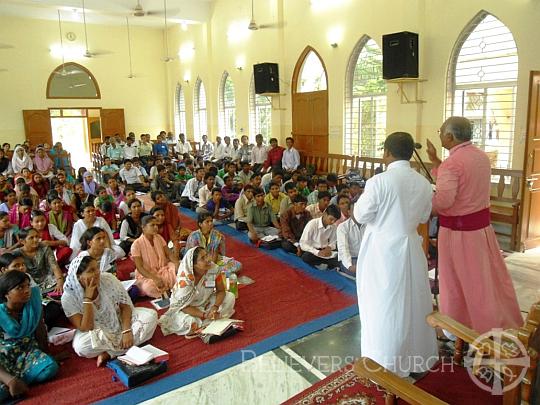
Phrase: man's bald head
(459, 127)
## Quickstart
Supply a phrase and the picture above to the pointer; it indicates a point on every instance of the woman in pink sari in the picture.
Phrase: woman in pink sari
(43, 164)
(156, 264)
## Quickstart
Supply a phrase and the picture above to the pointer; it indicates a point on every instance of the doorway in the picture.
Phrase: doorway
(310, 103)
(75, 128)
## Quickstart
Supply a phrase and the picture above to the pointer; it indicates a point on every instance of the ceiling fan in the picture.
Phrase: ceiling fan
(253, 26)
(139, 11)
(87, 53)
(131, 75)
(166, 58)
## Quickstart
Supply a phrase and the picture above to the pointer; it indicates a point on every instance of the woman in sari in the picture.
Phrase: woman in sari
(163, 229)
(89, 184)
(51, 237)
(156, 264)
(94, 244)
(40, 261)
(4, 163)
(39, 184)
(23, 337)
(20, 160)
(60, 157)
(172, 215)
(213, 242)
(59, 216)
(194, 299)
(89, 219)
(131, 227)
(43, 163)
(100, 309)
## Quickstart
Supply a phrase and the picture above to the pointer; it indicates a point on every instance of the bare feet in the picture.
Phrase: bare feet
(102, 359)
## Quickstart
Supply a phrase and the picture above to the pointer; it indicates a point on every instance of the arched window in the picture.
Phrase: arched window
(227, 107)
(200, 123)
(71, 80)
(482, 85)
(179, 110)
(260, 114)
(365, 101)
(312, 75)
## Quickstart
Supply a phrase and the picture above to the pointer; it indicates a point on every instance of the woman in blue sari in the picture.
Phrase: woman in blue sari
(213, 242)
(23, 337)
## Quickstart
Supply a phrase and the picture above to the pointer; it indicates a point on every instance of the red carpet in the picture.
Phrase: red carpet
(281, 298)
(345, 387)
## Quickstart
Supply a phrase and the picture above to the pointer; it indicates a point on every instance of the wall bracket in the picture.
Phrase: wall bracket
(406, 83)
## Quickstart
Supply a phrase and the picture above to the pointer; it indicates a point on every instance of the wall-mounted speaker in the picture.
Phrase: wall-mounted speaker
(266, 78)
(400, 55)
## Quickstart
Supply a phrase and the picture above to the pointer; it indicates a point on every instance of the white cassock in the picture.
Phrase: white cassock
(394, 297)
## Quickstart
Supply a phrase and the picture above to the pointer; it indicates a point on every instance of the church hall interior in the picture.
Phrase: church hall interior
(334, 81)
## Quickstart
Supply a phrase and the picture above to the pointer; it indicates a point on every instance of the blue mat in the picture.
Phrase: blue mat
(214, 366)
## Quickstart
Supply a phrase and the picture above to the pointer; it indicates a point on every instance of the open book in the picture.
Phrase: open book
(220, 326)
(138, 356)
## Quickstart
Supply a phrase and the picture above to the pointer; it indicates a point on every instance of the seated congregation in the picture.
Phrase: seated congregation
(68, 238)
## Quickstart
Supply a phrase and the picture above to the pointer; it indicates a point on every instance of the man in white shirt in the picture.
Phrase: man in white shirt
(133, 177)
(190, 194)
(316, 210)
(130, 150)
(171, 142)
(105, 146)
(291, 158)
(219, 149)
(236, 150)
(241, 207)
(145, 147)
(206, 149)
(391, 276)
(318, 241)
(228, 150)
(259, 154)
(183, 146)
(205, 192)
(349, 239)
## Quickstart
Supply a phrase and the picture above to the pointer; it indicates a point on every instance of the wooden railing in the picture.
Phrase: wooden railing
(505, 191)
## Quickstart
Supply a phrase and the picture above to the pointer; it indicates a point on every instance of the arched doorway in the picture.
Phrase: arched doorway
(310, 103)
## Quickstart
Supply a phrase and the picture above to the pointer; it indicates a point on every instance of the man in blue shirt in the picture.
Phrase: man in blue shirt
(160, 148)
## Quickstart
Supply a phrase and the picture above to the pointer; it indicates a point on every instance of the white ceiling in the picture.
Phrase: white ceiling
(110, 12)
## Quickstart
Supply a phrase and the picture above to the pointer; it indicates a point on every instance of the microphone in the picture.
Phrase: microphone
(417, 157)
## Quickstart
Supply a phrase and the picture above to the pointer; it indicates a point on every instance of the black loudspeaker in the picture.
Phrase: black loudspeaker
(266, 78)
(400, 55)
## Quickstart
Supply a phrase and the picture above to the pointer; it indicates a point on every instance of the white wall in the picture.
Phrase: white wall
(30, 63)
(438, 22)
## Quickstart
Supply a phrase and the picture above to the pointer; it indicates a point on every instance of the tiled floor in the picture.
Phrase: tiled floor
(279, 375)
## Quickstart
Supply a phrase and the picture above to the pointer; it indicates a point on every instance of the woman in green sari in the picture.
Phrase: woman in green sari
(23, 337)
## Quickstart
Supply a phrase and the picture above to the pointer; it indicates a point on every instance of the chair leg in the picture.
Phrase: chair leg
(458, 352)
(390, 399)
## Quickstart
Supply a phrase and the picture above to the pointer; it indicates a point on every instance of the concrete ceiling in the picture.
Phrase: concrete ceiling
(110, 12)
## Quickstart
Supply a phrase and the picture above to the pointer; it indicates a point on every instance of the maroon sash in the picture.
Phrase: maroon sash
(470, 222)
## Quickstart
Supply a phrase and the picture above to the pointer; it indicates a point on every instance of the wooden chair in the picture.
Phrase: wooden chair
(528, 335)
(505, 204)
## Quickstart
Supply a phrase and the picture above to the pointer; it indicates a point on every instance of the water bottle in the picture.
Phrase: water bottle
(233, 284)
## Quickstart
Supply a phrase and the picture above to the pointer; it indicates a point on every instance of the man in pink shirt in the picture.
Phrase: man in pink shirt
(475, 287)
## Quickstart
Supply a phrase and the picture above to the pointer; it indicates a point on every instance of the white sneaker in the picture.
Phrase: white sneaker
(322, 266)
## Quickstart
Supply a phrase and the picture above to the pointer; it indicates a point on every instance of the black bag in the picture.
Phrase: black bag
(132, 376)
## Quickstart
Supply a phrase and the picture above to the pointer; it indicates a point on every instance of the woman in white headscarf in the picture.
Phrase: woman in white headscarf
(198, 296)
(21, 160)
(99, 307)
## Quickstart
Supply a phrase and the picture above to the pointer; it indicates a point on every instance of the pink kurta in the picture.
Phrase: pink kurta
(475, 287)
(154, 260)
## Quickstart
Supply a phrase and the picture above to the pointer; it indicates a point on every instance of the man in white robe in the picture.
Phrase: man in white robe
(392, 279)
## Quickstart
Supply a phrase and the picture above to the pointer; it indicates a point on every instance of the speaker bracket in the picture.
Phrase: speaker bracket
(406, 83)
(273, 96)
